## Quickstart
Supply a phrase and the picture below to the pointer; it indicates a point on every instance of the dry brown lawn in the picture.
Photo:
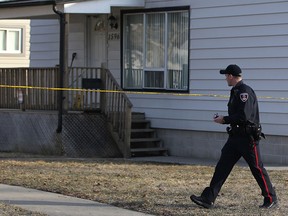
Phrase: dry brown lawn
(8, 210)
(154, 188)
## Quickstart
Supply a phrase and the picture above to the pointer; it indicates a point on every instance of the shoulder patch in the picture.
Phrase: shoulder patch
(244, 97)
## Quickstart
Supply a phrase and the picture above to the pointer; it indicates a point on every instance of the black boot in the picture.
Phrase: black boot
(201, 201)
(267, 204)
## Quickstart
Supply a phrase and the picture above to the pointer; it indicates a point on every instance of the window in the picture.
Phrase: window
(10, 40)
(156, 50)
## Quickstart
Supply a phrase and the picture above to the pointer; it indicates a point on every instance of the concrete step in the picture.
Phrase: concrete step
(139, 140)
(143, 130)
(140, 124)
(143, 133)
(138, 115)
(161, 150)
(143, 139)
(139, 121)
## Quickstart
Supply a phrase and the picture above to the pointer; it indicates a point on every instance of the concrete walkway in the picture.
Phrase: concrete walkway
(59, 205)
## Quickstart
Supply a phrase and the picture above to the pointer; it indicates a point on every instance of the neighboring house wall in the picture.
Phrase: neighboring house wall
(22, 59)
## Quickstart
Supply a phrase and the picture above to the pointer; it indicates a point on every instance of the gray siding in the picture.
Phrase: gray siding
(44, 43)
(252, 34)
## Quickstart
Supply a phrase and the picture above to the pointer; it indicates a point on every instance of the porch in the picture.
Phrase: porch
(89, 90)
(93, 109)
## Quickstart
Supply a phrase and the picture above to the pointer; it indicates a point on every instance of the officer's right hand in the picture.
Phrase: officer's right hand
(219, 119)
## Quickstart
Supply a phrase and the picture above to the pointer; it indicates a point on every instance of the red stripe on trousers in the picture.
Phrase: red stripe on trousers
(258, 167)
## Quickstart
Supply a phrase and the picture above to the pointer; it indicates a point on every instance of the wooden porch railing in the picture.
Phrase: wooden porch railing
(105, 94)
(36, 89)
(118, 108)
(28, 88)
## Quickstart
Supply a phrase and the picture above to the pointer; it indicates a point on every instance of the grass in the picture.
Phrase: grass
(154, 188)
(8, 210)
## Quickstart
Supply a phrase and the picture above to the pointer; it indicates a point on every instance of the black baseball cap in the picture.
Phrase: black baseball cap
(232, 69)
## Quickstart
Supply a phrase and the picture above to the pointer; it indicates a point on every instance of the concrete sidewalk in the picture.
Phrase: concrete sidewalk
(58, 205)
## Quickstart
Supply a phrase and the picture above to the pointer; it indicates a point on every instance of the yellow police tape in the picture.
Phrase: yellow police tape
(131, 92)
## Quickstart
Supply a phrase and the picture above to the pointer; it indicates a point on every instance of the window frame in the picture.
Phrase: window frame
(21, 41)
(148, 11)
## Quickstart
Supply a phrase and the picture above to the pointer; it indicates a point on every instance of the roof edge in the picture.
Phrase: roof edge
(22, 3)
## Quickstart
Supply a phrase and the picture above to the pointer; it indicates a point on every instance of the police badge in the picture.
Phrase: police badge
(244, 97)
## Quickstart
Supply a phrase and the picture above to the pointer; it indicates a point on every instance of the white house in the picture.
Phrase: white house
(166, 54)
(15, 51)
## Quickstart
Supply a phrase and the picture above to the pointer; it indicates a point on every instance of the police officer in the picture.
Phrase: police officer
(244, 134)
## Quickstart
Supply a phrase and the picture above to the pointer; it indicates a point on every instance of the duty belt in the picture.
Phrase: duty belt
(251, 130)
(236, 130)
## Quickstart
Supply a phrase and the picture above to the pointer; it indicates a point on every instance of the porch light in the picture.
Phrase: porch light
(113, 22)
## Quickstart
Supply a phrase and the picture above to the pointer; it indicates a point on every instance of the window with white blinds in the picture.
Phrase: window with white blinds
(10, 40)
(155, 50)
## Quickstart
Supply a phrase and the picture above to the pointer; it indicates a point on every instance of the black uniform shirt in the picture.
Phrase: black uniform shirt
(242, 105)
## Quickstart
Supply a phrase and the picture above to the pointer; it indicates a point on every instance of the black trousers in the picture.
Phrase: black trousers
(235, 148)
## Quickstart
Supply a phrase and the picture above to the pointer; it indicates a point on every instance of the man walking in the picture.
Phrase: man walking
(243, 141)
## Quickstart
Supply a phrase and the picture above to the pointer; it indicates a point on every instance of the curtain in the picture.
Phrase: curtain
(133, 51)
(155, 40)
(177, 56)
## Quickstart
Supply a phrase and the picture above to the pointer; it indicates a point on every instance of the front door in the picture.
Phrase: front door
(97, 47)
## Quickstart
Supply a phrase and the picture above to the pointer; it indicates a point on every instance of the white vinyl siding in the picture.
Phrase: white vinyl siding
(250, 33)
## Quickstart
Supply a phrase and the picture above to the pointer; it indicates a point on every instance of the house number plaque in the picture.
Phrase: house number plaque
(114, 36)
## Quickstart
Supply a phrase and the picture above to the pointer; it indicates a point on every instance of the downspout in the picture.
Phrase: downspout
(61, 66)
